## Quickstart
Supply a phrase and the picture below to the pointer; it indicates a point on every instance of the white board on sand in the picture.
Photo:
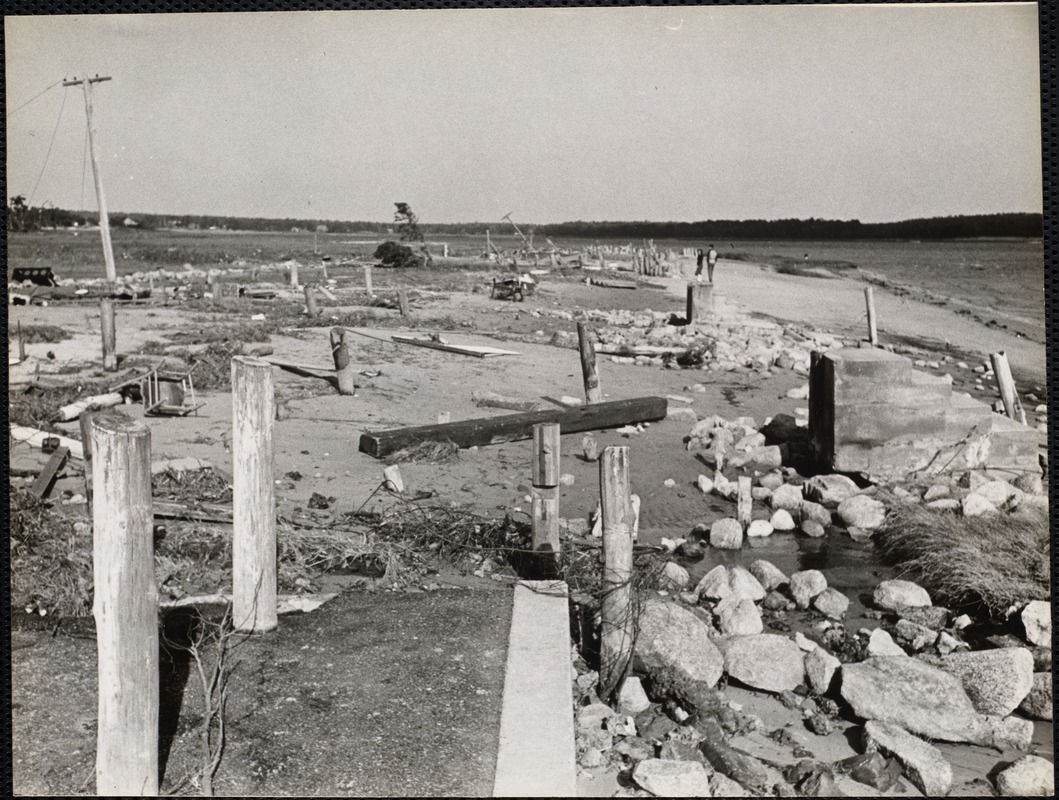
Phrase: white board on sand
(479, 351)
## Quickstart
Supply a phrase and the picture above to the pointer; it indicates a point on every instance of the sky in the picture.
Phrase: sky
(866, 112)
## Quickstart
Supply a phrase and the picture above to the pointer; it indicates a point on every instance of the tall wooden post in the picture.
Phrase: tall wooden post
(402, 301)
(869, 299)
(294, 274)
(1008, 395)
(343, 364)
(21, 343)
(744, 502)
(125, 607)
(85, 423)
(310, 301)
(700, 302)
(253, 499)
(106, 315)
(616, 609)
(545, 480)
(367, 279)
(593, 393)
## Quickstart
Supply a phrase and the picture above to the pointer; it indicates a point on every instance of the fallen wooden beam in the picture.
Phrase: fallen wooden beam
(203, 512)
(42, 485)
(512, 427)
(74, 410)
(478, 351)
(304, 371)
(35, 438)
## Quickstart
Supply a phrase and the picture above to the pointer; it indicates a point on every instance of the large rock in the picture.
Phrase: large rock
(714, 584)
(787, 497)
(831, 603)
(830, 490)
(995, 680)
(768, 574)
(816, 512)
(916, 637)
(861, 511)
(782, 520)
(737, 617)
(896, 594)
(924, 700)
(996, 492)
(744, 585)
(759, 528)
(881, 643)
(665, 778)
(974, 505)
(807, 584)
(1038, 703)
(727, 534)
(820, 669)
(1037, 622)
(923, 763)
(1030, 776)
(766, 661)
(671, 638)
(632, 699)
(674, 577)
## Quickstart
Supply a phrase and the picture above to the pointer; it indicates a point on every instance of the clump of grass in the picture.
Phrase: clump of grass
(191, 487)
(983, 563)
(33, 334)
(425, 453)
(38, 406)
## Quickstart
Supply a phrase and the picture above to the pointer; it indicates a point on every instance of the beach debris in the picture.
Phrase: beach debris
(38, 438)
(478, 351)
(42, 485)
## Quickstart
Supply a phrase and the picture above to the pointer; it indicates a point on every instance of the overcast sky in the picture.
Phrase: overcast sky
(869, 112)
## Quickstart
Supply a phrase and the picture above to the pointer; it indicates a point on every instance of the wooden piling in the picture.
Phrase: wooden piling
(1006, 383)
(700, 302)
(310, 301)
(294, 275)
(253, 499)
(125, 607)
(593, 392)
(343, 364)
(367, 279)
(21, 343)
(869, 299)
(85, 422)
(744, 502)
(616, 604)
(545, 482)
(402, 301)
(110, 337)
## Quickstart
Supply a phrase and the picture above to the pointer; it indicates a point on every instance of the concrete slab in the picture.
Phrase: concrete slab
(536, 756)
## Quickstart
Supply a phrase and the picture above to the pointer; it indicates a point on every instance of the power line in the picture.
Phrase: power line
(38, 94)
(48, 154)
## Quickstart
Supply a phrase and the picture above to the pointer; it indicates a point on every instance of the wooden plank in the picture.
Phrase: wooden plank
(305, 371)
(203, 512)
(42, 485)
(478, 351)
(512, 427)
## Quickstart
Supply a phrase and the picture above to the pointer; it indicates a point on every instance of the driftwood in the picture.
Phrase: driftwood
(42, 485)
(512, 427)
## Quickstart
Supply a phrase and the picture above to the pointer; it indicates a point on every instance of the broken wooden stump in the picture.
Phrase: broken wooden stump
(513, 427)
(106, 315)
(1006, 383)
(367, 279)
(618, 623)
(310, 302)
(744, 502)
(545, 482)
(402, 302)
(343, 365)
(700, 302)
(869, 300)
(593, 393)
(75, 410)
(42, 485)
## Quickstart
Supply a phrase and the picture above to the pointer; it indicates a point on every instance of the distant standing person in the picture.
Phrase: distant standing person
(711, 262)
(698, 263)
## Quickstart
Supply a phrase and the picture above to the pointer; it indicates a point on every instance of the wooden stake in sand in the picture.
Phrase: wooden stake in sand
(402, 302)
(310, 301)
(253, 499)
(744, 502)
(1006, 383)
(588, 364)
(110, 356)
(343, 365)
(294, 274)
(869, 299)
(545, 481)
(618, 622)
(125, 608)
(367, 279)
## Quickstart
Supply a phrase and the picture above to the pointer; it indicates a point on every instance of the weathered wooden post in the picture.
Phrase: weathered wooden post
(445, 250)
(294, 274)
(555, 260)
(125, 607)
(1008, 395)
(367, 279)
(700, 301)
(869, 299)
(21, 343)
(310, 301)
(545, 482)
(110, 336)
(402, 301)
(616, 607)
(85, 423)
(593, 393)
(744, 502)
(343, 364)
(253, 499)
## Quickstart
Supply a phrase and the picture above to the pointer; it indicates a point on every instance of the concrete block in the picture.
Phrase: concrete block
(873, 364)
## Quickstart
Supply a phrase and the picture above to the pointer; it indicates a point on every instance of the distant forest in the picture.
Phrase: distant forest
(21, 217)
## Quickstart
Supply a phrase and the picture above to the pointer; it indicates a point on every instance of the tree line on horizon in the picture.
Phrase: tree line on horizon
(1022, 225)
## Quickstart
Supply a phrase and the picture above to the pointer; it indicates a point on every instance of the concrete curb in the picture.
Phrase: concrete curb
(536, 755)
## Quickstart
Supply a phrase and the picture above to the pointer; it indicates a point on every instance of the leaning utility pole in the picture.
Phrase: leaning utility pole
(104, 219)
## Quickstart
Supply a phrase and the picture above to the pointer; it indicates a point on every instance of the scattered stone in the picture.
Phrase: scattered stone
(933, 617)
(996, 492)
(805, 644)
(714, 584)
(961, 622)
(861, 511)
(859, 535)
(774, 601)
(766, 661)
(923, 763)
(871, 769)
(727, 534)
(815, 511)
(1037, 622)
(997, 681)
(768, 575)
(593, 716)
(974, 505)
(760, 493)
(771, 480)
(897, 594)
(820, 724)
(635, 748)
(831, 603)
(937, 491)
(787, 497)
(807, 584)
(759, 528)
(1008, 732)
(946, 643)
(782, 521)
(671, 638)
(880, 643)
(744, 585)
(632, 699)
(737, 617)
(678, 750)
(830, 490)
(916, 637)
(674, 577)
(705, 484)
(1038, 703)
(812, 528)
(1030, 483)
(620, 725)
(726, 760)
(723, 786)
(566, 479)
(820, 668)
(1030, 776)
(669, 778)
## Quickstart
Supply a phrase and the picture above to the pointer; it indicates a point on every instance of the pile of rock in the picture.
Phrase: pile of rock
(973, 494)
